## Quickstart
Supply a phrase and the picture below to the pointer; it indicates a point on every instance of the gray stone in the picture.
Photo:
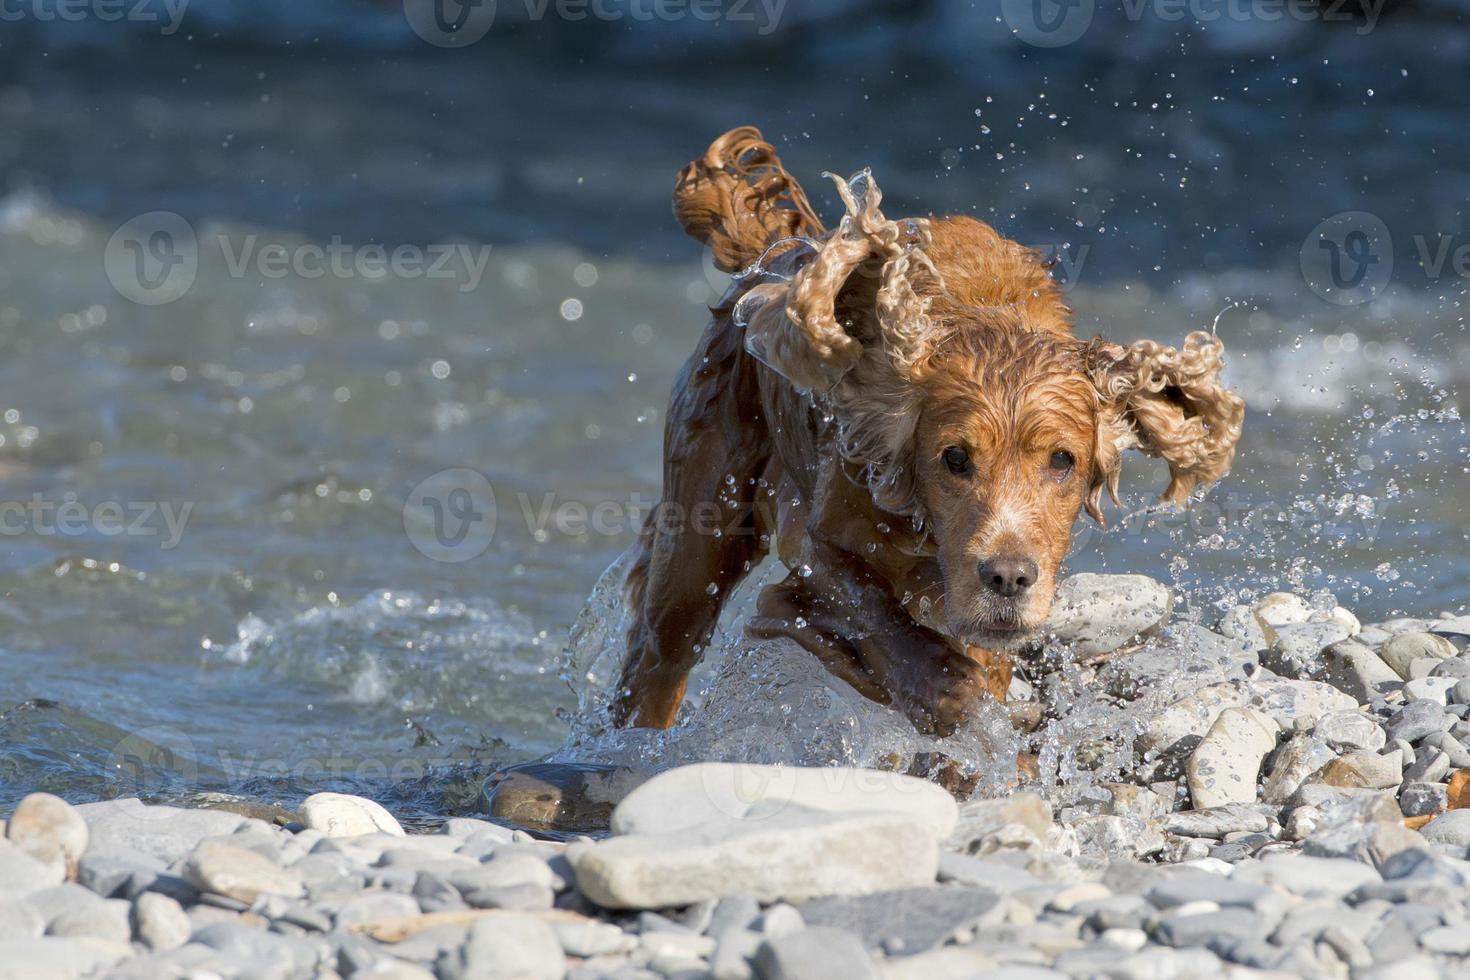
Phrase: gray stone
(48, 829)
(1208, 928)
(733, 912)
(780, 919)
(990, 873)
(1431, 766)
(57, 958)
(1404, 649)
(1447, 940)
(1296, 650)
(799, 855)
(21, 874)
(1240, 623)
(504, 870)
(1182, 658)
(812, 954)
(908, 921)
(1421, 799)
(1216, 821)
(1417, 719)
(1297, 703)
(1436, 689)
(509, 944)
(1110, 836)
(1203, 887)
(1352, 667)
(106, 918)
(435, 894)
(1303, 755)
(238, 873)
(734, 949)
(463, 828)
(372, 906)
(525, 897)
(163, 832)
(1452, 747)
(1279, 609)
(589, 938)
(269, 953)
(1224, 767)
(1461, 692)
(1348, 730)
(114, 872)
(1451, 827)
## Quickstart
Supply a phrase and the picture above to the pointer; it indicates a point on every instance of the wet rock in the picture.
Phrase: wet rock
(984, 826)
(341, 815)
(509, 944)
(1110, 835)
(1282, 609)
(1179, 660)
(1098, 614)
(689, 796)
(1297, 703)
(1435, 689)
(1401, 651)
(49, 830)
(1451, 827)
(1240, 623)
(818, 952)
(1364, 770)
(1216, 822)
(237, 873)
(795, 854)
(1452, 747)
(1356, 669)
(1225, 765)
(1348, 730)
(1188, 718)
(1421, 799)
(1296, 650)
(1302, 756)
(565, 797)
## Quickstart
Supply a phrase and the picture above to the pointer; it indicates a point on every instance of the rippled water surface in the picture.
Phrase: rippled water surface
(236, 602)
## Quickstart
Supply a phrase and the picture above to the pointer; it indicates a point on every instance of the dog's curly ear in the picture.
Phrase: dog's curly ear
(1167, 403)
(795, 328)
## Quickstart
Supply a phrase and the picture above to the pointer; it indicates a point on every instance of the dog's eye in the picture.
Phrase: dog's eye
(1062, 462)
(957, 460)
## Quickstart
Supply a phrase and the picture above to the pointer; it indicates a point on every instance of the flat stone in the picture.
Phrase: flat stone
(21, 874)
(372, 906)
(800, 855)
(1364, 770)
(1178, 659)
(991, 873)
(818, 952)
(160, 922)
(1451, 827)
(1457, 667)
(684, 798)
(267, 953)
(1435, 689)
(1307, 877)
(238, 873)
(1208, 928)
(1186, 888)
(1296, 650)
(1358, 670)
(1297, 703)
(908, 921)
(341, 815)
(1401, 651)
(1224, 767)
(1096, 613)
(163, 832)
(508, 944)
(1189, 717)
(1216, 821)
(48, 829)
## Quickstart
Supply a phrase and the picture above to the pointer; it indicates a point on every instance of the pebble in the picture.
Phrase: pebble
(1216, 821)
(1435, 689)
(1417, 719)
(1364, 770)
(1421, 799)
(1296, 650)
(1302, 756)
(1354, 668)
(1098, 614)
(507, 944)
(341, 815)
(816, 952)
(49, 830)
(1451, 827)
(1282, 609)
(238, 873)
(1348, 730)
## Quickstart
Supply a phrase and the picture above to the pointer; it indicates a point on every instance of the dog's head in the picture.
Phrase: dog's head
(943, 354)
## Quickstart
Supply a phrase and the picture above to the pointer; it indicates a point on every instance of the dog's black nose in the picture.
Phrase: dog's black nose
(1008, 576)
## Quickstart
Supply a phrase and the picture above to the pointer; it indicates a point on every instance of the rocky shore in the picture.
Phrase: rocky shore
(1297, 806)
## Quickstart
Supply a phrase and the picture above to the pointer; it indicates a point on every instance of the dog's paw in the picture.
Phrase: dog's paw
(943, 694)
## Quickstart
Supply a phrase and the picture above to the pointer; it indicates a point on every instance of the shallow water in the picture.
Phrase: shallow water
(236, 600)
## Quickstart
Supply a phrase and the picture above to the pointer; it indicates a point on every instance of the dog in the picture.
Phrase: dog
(901, 411)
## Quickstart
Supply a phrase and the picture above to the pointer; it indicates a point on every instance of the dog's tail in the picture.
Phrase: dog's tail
(738, 199)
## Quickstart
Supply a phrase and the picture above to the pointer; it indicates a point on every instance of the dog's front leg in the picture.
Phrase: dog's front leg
(838, 610)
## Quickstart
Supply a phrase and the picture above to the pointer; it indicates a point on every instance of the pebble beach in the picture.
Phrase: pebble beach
(1299, 807)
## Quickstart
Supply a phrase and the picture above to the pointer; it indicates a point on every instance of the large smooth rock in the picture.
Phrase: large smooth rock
(164, 832)
(1097, 613)
(797, 854)
(48, 829)
(1225, 765)
(689, 796)
(1355, 669)
(1401, 651)
(237, 873)
(341, 815)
